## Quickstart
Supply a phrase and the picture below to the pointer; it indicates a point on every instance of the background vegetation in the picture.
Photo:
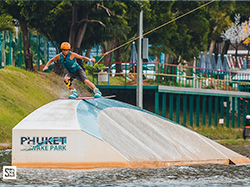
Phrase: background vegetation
(112, 23)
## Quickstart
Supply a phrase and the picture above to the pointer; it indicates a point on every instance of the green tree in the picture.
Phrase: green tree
(68, 21)
(115, 31)
(117, 28)
(81, 17)
(53, 20)
(131, 17)
(242, 8)
(22, 11)
(7, 23)
(219, 16)
(192, 32)
(158, 14)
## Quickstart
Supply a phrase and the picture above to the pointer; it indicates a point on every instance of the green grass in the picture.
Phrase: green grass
(234, 142)
(218, 133)
(22, 92)
(224, 135)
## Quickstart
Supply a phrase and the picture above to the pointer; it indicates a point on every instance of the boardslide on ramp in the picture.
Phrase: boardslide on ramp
(107, 133)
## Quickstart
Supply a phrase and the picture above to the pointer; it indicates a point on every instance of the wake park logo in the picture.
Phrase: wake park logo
(43, 143)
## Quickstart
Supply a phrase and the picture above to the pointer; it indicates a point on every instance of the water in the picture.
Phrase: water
(213, 175)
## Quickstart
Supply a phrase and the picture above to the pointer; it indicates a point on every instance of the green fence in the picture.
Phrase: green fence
(11, 50)
(203, 110)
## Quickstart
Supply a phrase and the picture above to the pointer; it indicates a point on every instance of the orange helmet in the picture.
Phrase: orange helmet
(65, 45)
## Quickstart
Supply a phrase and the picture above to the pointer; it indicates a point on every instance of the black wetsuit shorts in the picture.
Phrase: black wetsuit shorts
(79, 74)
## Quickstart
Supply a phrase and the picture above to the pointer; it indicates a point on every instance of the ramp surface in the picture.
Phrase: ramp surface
(114, 134)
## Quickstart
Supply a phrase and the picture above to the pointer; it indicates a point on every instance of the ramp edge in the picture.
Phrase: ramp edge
(131, 164)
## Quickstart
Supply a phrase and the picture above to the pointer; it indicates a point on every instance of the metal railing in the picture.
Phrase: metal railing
(180, 76)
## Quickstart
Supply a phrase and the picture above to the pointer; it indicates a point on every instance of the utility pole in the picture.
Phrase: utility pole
(139, 89)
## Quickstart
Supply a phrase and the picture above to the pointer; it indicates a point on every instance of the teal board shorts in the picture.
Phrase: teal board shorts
(79, 74)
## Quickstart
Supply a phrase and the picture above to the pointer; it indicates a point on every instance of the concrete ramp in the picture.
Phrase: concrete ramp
(107, 133)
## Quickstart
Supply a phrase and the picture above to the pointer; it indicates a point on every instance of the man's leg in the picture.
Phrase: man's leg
(68, 81)
(82, 77)
(93, 87)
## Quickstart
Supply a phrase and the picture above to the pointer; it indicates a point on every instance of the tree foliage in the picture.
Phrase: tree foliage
(7, 23)
(160, 13)
(192, 32)
(112, 23)
(22, 11)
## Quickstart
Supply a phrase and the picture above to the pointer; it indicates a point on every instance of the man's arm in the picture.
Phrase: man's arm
(75, 55)
(57, 57)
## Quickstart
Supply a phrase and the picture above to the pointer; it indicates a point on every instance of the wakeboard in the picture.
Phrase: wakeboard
(86, 98)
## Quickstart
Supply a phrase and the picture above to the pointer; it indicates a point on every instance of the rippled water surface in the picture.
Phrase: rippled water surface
(200, 175)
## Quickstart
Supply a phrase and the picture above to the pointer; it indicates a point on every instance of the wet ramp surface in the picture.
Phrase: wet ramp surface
(139, 135)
